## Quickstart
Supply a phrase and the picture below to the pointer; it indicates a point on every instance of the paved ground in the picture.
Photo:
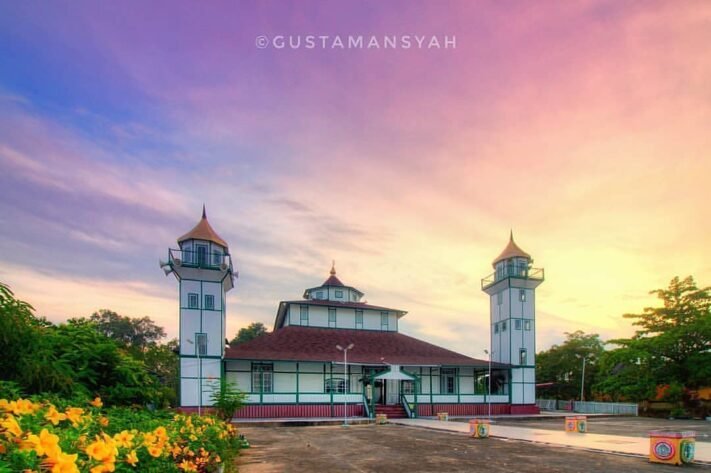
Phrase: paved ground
(396, 449)
(628, 426)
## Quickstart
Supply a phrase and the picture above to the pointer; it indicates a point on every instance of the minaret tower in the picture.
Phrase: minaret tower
(512, 294)
(203, 267)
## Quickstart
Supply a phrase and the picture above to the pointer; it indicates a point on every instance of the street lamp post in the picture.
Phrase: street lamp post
(345, 381)
(488, 398)
(582, 382)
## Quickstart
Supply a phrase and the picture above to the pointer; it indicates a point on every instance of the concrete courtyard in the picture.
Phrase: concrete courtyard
(396, 448)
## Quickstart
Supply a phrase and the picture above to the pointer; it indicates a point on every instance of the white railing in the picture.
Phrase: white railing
(584, 407)
(605, 408)
(547, 404)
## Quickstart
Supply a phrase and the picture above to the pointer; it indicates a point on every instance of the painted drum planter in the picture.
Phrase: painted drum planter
(576, 424)
(381, 418)
(479, 428)
(443, 416)
(675, 448)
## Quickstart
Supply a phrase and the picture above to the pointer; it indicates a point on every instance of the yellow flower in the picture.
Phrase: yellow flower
(10, 427)
(155, 451)
(104, 421)
(102, 450)
(97, 402)
(63, 463)
(5, 406)
(132, 458)
(187, 466)
(54, 416)
(149, 439)
(124, 439)
(217, 459)
(104, 467)
(22, 407)
(44, 444)
(74, 415)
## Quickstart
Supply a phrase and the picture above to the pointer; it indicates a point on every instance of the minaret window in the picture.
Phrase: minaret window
(503, 326)
(332, 317)
(201, 344)
(339, 294)
(517, 324)
(496, 328)
(201, 255)
(359, 319)
(523, 357)
(304, 315)
(499, 298)
(527, 325)
(319, 294)
(193, 300)
(384, 321)
(209, 302)
(522, 295)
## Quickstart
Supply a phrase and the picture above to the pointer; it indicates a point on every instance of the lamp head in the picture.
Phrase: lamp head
(339, 348)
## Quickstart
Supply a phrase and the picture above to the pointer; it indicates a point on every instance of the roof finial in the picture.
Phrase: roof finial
(511, 236)
(333, 267)
(204, 215)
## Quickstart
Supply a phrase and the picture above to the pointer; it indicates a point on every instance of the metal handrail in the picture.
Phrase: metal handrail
(367, 407)
(193, 259)
(513, 272)
(406, 405)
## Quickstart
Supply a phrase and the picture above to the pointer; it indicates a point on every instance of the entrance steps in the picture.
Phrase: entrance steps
(393, 411)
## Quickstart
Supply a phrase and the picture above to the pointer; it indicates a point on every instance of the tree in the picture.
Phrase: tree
(671, 346)
(562, 365)
(250, 332)
(134, 333)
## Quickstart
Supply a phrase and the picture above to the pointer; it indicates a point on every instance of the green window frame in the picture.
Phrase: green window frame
(336, 386)
(527, 325)
(517, 324)
(359, 319)
(384, 321)
(503, 326)
(193, 300)
(448, 381)
(409, 387)
(304, 315)
(209, 302)
(339, 294)
(522, 295)
(523, 357)
(496, 328)
(332, 317)
(262, 377)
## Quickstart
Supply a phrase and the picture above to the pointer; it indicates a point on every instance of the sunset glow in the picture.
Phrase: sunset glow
(583, 126)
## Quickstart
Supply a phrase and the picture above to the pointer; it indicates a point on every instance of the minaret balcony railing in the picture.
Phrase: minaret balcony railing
(200, 259)
(512, 272)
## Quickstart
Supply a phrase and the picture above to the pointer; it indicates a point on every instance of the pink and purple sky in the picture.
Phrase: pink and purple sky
(584, 126)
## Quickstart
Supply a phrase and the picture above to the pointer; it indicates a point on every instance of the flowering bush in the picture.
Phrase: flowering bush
(50, 437)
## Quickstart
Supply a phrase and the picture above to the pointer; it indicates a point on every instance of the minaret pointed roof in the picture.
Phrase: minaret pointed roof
(512, 250)
(333, 280)
(203, 231)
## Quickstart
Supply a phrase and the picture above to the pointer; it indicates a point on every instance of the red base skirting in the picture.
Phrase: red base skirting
(194, 410)
(257, 411)
(525, 409)
(463, 409)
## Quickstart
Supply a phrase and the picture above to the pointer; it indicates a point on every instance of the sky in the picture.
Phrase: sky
(583, 126)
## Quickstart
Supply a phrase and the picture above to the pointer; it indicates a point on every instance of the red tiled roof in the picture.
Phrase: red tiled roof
(332, 281)
(370, 347)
